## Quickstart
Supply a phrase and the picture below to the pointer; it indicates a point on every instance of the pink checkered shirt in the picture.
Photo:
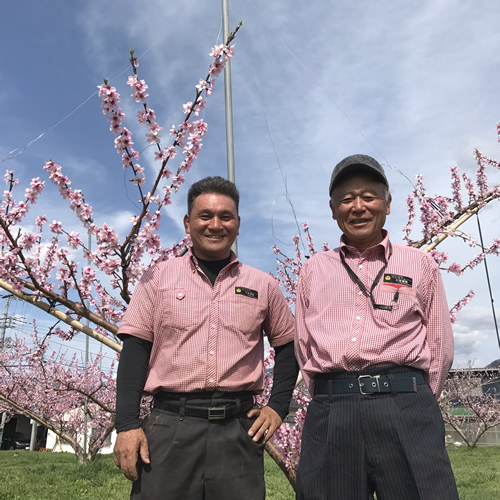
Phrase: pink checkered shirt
(337, 327)
(207, 337)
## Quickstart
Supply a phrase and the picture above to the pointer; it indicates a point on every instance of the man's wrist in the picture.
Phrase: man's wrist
(281, 410)
(127, 427)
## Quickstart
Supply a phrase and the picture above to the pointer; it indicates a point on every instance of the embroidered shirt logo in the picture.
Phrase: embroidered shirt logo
(397, 281)
(253, 294)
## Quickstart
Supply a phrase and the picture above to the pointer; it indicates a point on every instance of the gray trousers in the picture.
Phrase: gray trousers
(198, 459)
(391, 444)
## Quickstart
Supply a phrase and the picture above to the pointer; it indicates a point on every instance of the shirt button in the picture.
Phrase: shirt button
(211, 353)
(354, 339)
(211, 380)
(179, 294)
(358, 318)
(361, 266)
(360, 293)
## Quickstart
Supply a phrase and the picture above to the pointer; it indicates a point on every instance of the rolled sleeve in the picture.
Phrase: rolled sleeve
(138, 320)
(279, 325)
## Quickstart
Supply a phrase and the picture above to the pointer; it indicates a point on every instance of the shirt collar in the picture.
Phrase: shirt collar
(382, 246)
(194, 262)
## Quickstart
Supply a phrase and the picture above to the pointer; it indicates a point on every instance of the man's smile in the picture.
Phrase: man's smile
(359, 221)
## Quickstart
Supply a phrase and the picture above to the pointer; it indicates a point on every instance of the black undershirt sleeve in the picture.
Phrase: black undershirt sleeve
(130, 381)
(286, 370)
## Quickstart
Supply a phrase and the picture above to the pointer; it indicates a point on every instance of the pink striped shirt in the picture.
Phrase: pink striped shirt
(207, 337)
(337, 327)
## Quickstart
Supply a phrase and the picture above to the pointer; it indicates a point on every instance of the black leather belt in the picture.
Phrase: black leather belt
(370, 384)
(221, 412)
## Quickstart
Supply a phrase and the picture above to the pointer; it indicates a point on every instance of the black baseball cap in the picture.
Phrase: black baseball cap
(357, 163)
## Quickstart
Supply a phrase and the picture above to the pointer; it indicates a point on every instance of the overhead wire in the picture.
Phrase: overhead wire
(304, 67)
(283, 177)
(10, 155)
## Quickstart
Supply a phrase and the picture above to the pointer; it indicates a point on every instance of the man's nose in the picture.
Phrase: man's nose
(215, 223)
(358, 204)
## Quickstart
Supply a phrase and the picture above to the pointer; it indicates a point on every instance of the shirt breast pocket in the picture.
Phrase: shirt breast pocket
(246, 313)
(403, 302)
(180, 310)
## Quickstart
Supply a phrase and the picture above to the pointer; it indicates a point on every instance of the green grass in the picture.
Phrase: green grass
(277, 485)
(28, 475)
(49, 476)
(477, 472)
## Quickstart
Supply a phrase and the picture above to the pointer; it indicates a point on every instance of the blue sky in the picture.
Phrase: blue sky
(414, 84)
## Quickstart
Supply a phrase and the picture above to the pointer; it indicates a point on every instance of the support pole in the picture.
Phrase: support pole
(488, 281)
(228, 108)
(32, 299)
(34, 426)
(87, 346)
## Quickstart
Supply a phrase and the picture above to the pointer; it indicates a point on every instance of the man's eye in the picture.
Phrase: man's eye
(346, 201)
(368, 198)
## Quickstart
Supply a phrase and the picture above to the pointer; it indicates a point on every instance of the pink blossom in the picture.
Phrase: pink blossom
(29, 239)
(160, 156)
(455, 268)
(74, 240)
(153, 135)
(217, 51)
(439, 257)
(139, 88)
(217, 68)
(201, 86)
(9, 175)
(40, 220)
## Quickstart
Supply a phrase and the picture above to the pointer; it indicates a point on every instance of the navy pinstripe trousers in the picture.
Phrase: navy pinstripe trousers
(393, 444)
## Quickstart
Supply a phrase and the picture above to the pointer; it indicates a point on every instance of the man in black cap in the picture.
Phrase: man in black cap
(374, 342)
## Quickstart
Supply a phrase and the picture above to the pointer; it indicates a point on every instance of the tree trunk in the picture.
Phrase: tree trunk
(275, 453)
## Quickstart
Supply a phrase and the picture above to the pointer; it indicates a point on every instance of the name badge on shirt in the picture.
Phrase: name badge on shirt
(397, 281)
(253, 294)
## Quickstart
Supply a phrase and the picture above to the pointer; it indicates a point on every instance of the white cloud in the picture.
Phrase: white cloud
(475, 337)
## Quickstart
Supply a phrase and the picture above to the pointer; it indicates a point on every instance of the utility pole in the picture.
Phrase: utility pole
(4, 321)
(229, 108)
(4, 327)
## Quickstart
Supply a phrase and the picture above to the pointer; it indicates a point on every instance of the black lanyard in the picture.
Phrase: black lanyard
(361, 285)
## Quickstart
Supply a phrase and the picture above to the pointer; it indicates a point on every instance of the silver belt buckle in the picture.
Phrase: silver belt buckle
(217, 413)
(374, 384)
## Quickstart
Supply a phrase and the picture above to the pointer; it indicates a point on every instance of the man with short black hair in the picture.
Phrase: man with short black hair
(193, 337)
(374, 342)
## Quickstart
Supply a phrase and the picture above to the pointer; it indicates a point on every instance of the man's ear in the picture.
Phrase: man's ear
(186, 224)
(332, 207)
(388, 209)
(239, 223)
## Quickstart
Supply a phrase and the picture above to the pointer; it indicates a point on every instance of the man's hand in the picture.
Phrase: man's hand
(128, 444)
(265, 424)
